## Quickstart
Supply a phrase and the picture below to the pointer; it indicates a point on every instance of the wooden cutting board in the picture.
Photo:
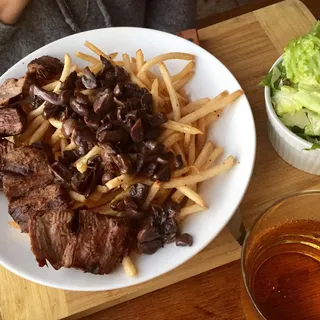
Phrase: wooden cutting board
(247, 45)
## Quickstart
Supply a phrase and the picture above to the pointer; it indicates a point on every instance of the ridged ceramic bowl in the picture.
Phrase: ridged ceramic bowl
(288, 145)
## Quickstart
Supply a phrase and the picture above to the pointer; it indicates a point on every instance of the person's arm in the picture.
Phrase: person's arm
(170, 15)
(10, 10)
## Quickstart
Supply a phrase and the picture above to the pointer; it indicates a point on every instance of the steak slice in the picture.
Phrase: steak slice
(25, 168)
(46, 69)
(50, 198)
(102, 242)
(12, 121)
(50, 235)
(5, 147)
(14, 89)
(86, 240)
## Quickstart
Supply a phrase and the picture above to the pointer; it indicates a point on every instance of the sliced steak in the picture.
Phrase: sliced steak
(101, 244)
(5, 147)
(86, 240)
(46, 69)
(50, 198)
(51, 235)
(13, 121)
(14, 89)
(25, 169)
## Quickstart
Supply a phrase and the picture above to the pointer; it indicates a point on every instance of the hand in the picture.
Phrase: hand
(10, 10)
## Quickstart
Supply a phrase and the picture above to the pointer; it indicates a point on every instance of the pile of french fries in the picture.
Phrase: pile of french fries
(184, 133)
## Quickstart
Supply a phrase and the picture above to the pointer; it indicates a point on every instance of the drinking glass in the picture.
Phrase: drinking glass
(280, 261)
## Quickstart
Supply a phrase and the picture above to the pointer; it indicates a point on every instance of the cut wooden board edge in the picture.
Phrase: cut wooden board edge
(34, 301)
(222, 250)
(278, 14)
(22, 299)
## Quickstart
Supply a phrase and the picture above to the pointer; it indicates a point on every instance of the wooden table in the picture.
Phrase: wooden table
(247, 45)
(214, 294)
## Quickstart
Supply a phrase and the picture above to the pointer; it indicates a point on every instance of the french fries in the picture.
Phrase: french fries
(33, 126)
(211, 107)
(77, 196)
(155, 95)
(63, 145)
(40, 132)
(55, 137)
(87, 57)
(181, 127)
(203, 155)
(177, 150)
(212, 117)
(179, 84)
(14, 225)
(175, 104)
(180, 172)
(192, 195)
(102, 189)
(186, 211)
(172, 139)
(201, 139)
(65, 72)
(50, 86)
(201, 176)
(186, 70)
(213, 157)
(152, 193)
(164, 57)
(118, 181)
(129, 267)
(196, 105)
(55, 123)
(71, 146)
(81, 164)
(183, 134)
(97, 51)
(128, 67)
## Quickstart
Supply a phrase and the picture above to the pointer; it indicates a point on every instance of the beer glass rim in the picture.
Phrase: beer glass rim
(243, 274)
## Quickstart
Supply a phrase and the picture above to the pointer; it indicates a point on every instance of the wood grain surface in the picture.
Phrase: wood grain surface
(213, 295)
(247, 45)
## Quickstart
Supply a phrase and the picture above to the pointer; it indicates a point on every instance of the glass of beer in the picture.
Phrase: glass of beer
(281, 261)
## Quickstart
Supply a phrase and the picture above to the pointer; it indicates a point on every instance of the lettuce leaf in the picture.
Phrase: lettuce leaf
(301, 58)
(284, 101)
(275, 77)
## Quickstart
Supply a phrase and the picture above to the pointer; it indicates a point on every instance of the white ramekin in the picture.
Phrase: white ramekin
(288, 145)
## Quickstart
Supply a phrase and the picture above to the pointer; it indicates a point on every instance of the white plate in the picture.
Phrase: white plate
(234, 130)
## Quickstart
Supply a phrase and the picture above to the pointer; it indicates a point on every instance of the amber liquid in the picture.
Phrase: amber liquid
(283, 271)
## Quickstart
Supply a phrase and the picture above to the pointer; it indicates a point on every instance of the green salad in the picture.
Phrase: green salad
(295, 87)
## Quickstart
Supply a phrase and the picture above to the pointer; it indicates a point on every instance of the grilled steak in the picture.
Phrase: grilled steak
(51, 235)
(97, 246)
(5, 147)
(25, 169)
(101, 244)
(12, 121)
(46, 69)
(50, 198)
(14, 89)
